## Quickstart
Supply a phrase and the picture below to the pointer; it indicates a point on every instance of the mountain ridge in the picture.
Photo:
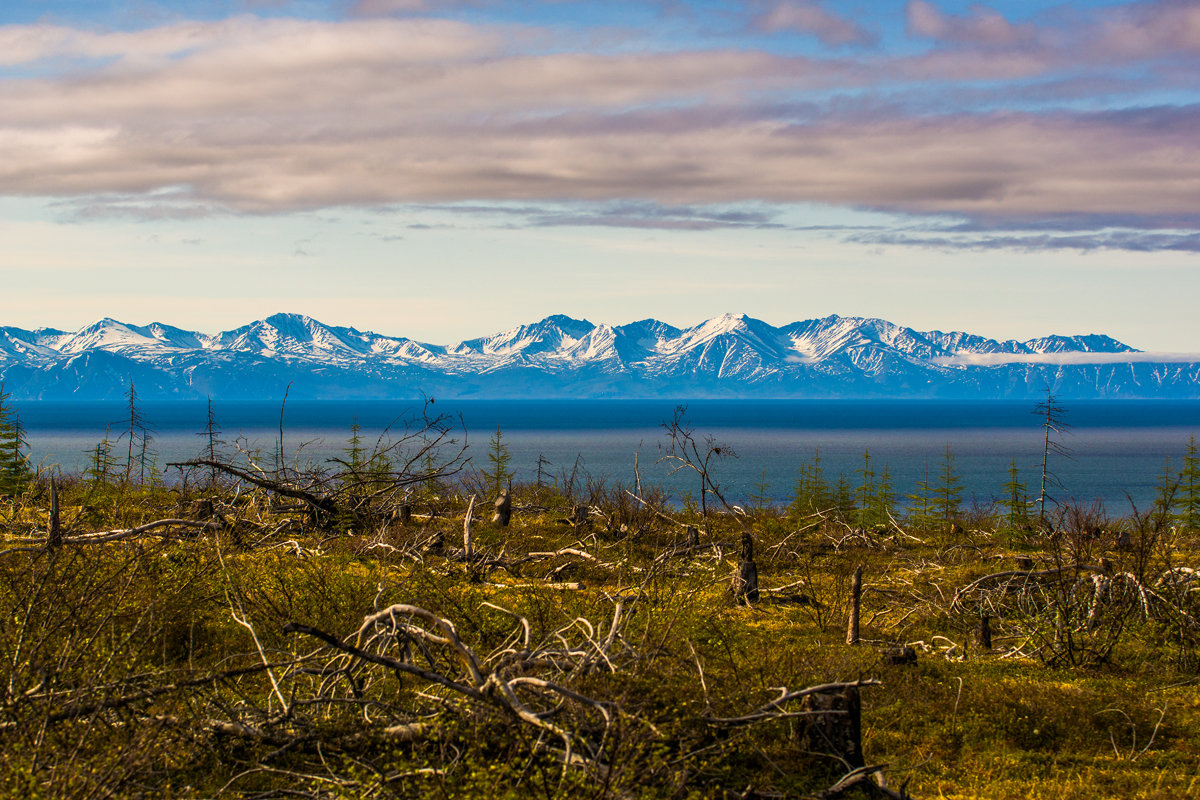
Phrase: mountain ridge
(730, 355)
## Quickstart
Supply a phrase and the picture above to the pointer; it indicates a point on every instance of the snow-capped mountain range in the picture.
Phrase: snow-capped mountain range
(728, 356)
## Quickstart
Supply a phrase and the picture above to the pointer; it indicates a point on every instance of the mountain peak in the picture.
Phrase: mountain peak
(561, 356)
(563, 321)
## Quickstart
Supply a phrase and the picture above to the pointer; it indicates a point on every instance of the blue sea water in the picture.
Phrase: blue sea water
(1119, 449)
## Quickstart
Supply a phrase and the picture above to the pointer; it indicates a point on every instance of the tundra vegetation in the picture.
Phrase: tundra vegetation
(261, 626)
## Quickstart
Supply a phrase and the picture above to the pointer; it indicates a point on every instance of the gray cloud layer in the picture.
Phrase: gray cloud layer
(275, 115)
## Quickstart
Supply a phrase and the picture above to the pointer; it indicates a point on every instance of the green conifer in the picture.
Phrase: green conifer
(1189, 488)
(14, 462)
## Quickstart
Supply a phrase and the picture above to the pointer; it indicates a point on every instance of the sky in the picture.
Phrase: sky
(446, 170)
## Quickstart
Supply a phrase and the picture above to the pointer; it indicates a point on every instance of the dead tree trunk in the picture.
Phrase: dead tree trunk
(55, 538)
(745, 580)
(985, 632)
(503, 508)
(406, 514)
(467, 551)
(855, 606)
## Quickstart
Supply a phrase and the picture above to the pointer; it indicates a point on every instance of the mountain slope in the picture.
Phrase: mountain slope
(727, 356)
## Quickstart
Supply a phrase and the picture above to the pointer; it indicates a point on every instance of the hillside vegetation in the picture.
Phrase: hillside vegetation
(380, 626)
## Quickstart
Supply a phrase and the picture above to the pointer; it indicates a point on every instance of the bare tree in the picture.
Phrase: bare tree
(413, 450)
(684, 451)
(1053, 427)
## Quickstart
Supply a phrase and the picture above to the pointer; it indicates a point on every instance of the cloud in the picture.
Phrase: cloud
(980, 26)
(1150, 29)
(1134, 241)
(1069, 37)
(996, 359)
(372, 8)
(812, 17)
(625, 215)
(274, 115)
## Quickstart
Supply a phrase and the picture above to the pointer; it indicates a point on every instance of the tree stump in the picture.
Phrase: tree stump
(579, 516)
(201, 509)
(503, 508)
(745, 580)
(692, 537)
(900, 655)
(985, 632)
(837, 729)
(406, 514)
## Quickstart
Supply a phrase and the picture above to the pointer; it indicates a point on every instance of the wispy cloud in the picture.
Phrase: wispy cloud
(979, 26)
(1135, 241)
(806, 16)
(274, 115)
(624, 214)
(997, 359)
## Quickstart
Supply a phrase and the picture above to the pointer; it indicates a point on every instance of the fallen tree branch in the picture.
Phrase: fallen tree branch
(862, 777)
(774, 709)
(101, 537)
(89, 708)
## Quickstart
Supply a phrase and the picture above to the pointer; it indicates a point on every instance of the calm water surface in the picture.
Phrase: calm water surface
(1118, 447)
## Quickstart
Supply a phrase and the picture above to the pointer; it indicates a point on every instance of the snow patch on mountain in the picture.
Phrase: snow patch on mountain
(733, 354)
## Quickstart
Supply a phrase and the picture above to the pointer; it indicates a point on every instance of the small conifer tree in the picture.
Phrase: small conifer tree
(1016, 499)
(761, 497)
(14, 463)
(1166, 497)
(498, 456)
(864, 494)
(1189, 488)
(885, 497)
(811, 493)
(101, 463)
(843, 498)
(947, 495)
(354, 449)
(920, 505)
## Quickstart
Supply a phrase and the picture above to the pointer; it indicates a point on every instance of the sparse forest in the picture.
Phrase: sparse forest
(403, 622)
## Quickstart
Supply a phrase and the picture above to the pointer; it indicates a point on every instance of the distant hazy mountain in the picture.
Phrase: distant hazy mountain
(729, 356)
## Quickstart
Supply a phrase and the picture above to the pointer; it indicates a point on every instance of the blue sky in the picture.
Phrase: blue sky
(444, 170)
